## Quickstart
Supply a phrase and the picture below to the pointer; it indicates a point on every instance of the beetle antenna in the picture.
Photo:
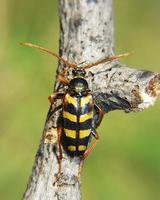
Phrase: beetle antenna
(107, 59)
(50, 52)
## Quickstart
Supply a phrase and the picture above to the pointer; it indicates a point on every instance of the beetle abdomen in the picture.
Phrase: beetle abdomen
(77, 123)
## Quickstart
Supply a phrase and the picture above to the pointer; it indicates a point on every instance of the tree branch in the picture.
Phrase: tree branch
(125, 88)
(86, 36)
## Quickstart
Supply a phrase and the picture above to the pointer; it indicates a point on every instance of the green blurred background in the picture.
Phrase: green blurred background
(126, 163)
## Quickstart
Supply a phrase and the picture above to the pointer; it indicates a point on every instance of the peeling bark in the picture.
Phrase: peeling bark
(87, 36)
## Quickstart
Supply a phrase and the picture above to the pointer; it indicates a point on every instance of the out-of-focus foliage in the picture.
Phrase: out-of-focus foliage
(126, 163)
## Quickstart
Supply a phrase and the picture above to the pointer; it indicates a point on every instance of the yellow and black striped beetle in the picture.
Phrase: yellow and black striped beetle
(77, 123)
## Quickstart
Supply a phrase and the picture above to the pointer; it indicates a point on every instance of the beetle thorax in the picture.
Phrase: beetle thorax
(78, 85)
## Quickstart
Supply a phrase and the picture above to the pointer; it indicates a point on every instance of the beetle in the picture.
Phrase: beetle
(77, 123)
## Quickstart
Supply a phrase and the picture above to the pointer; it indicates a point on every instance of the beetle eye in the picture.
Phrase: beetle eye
(74, 72)
(83, 73)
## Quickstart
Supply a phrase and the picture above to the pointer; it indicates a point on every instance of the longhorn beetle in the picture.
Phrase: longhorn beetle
(77, 123)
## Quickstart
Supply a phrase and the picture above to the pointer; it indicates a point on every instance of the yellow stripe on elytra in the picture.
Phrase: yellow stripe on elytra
(71, 148)
(86, 116)
(85, 100)
(71, 100)
(70, 133)
(81, 148)
(84, 133)
(70, 116)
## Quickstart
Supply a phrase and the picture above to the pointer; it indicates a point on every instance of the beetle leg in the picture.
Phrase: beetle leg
(60, 149)
(56, 95)
(88, 151)
(62, 79)
(59, 131)
(95, 134)
(100, 115)
(92, 146)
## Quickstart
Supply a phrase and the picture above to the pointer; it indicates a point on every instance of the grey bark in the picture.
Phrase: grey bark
(86, 36)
